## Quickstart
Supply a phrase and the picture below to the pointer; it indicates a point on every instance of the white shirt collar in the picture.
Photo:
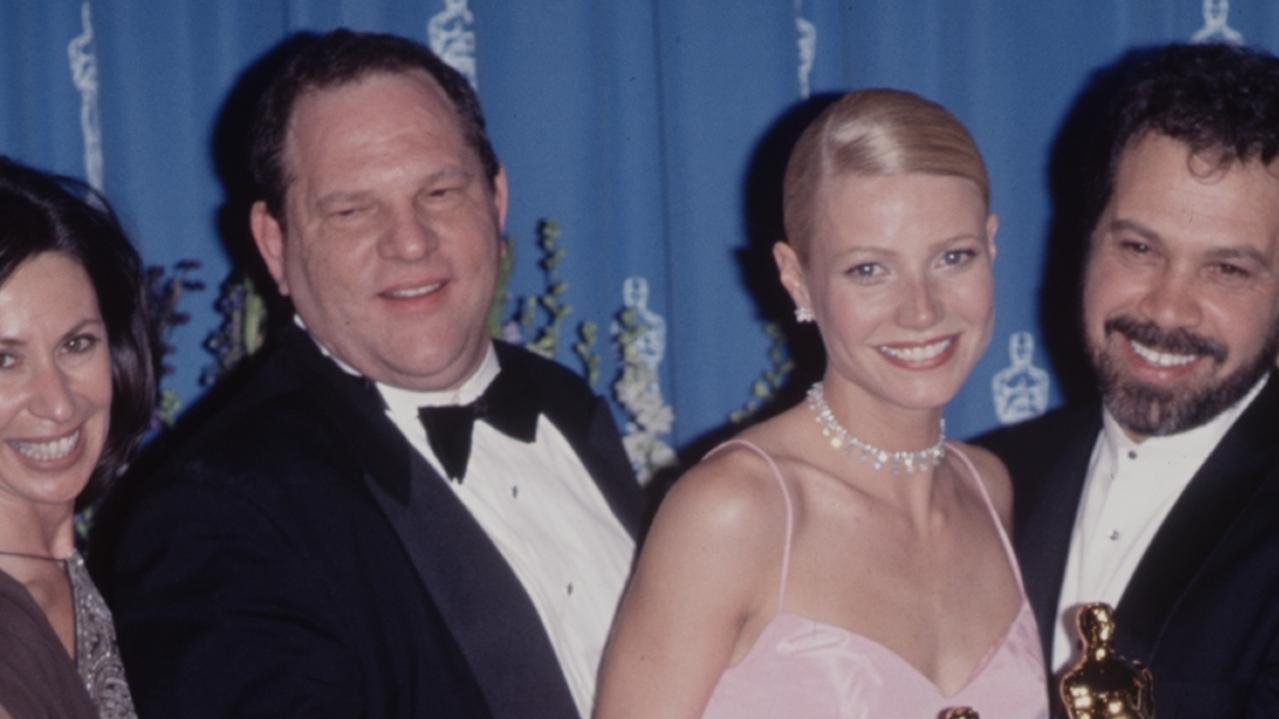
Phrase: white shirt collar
(405, 402)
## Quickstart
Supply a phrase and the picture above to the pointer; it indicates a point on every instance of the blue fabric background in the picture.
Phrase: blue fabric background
(643, 128)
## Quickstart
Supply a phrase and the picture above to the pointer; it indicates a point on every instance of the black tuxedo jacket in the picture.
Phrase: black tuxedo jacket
(1202, 608)
(298, 558)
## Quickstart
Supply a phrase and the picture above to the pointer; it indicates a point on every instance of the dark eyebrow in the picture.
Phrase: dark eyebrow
(79, 326)
(1244, 252)
(76, 328)
(1135, 228)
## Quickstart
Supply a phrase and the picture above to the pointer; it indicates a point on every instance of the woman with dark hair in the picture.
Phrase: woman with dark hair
(843, 559)
(77, 385)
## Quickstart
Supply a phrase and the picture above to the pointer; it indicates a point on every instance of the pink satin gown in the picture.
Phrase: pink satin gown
(799, 668)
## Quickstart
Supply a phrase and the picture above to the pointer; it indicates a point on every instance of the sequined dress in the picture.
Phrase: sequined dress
(97, 658)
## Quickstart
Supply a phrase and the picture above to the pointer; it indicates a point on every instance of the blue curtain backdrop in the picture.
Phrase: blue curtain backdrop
(644, 131)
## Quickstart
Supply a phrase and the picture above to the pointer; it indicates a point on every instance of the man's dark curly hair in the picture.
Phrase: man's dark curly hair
(1221, 100)
(337, 58)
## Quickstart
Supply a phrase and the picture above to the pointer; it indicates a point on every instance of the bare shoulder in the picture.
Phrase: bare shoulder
(731, 494)
(994, 476)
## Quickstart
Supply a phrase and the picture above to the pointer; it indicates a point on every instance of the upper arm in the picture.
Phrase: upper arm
(994, 477)
(218, 613)
(708, 559)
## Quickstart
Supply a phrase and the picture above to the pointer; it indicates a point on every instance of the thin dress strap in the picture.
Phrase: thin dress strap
(790, 511)
(990, 507)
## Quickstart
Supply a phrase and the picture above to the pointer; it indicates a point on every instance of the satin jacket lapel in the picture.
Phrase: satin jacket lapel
(589, 428)
(1216, 495)
(476, 593)
(1044, 529)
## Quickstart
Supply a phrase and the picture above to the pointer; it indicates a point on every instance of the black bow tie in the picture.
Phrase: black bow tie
(509, 408)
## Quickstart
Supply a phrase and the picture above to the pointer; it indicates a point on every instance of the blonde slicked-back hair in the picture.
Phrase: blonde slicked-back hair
(875, 132)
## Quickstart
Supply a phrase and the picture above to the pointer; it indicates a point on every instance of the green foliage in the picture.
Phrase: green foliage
(165, 291)
(552, 308)
(765, 388)
(243, 329)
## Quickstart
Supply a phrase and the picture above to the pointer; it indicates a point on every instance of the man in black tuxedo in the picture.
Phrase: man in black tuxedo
(1164, 500)
(397, 516)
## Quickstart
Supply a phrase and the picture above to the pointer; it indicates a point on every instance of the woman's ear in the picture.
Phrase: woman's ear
(791, 272)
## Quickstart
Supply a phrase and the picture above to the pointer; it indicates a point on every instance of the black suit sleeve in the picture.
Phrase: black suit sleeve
(220, 613)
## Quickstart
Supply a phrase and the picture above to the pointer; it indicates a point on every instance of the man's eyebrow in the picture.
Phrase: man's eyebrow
(1122, 225)
(1246, 252)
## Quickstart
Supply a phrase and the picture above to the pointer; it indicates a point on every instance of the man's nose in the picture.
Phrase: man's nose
(1170, 300)
(412, 237)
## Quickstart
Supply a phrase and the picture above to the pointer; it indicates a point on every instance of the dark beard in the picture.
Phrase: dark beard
(1156, 411)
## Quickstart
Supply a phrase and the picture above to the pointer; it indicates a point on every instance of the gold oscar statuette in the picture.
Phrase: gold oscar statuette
(960, 713)
(1102, 684)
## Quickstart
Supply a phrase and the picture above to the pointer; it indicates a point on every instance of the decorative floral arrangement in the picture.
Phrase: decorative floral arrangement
(243, 328)
(638, 391)
(165, 291)
(765, 388)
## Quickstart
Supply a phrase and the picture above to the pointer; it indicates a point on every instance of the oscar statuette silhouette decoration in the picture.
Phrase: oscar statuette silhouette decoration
(1102, 684)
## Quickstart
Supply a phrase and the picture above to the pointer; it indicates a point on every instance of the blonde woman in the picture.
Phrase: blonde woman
(843, 559)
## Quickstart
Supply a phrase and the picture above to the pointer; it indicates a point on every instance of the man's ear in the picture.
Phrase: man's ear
(269, 238)
(791, 272)
(501, 198)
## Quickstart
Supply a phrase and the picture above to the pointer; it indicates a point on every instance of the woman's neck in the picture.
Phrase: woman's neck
(37, 530)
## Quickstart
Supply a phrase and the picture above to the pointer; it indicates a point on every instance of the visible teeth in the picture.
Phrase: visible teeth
(916, 354)
(47, 451)
(415, 291)
(1161, 359)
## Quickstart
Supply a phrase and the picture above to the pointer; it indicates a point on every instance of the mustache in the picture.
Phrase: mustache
(1178, 341)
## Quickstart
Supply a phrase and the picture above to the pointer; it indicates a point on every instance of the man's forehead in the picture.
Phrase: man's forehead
(325, 115)
(313, 98)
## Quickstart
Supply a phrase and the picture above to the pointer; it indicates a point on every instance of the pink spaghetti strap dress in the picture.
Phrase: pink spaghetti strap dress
(799, 668)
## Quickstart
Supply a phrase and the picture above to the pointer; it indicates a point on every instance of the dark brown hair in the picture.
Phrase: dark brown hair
(337, 58)
(40, 213)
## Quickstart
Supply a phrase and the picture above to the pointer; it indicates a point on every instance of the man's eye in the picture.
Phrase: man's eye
(7, 360)
(348, 213)
(1134, 247)
(1232, 272)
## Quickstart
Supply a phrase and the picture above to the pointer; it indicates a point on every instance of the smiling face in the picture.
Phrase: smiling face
(1181, 292)
(55, 383)
(898, 275)
(391, 244)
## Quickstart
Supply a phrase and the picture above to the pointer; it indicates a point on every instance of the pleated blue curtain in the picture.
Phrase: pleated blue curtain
(643, 142)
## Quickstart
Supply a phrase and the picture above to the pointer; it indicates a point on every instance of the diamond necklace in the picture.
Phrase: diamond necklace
(901, 461)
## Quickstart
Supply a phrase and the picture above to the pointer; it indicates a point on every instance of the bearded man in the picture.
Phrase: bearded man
(1164, 500)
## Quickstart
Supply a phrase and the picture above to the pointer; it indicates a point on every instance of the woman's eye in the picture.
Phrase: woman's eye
(81, 344)
(865, 271)
(7, 360)
(958, 257)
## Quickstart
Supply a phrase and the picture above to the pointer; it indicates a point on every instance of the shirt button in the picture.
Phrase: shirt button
(1132, 454)
(1114, 535)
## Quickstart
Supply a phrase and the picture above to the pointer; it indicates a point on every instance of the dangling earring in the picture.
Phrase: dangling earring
(803, 314)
